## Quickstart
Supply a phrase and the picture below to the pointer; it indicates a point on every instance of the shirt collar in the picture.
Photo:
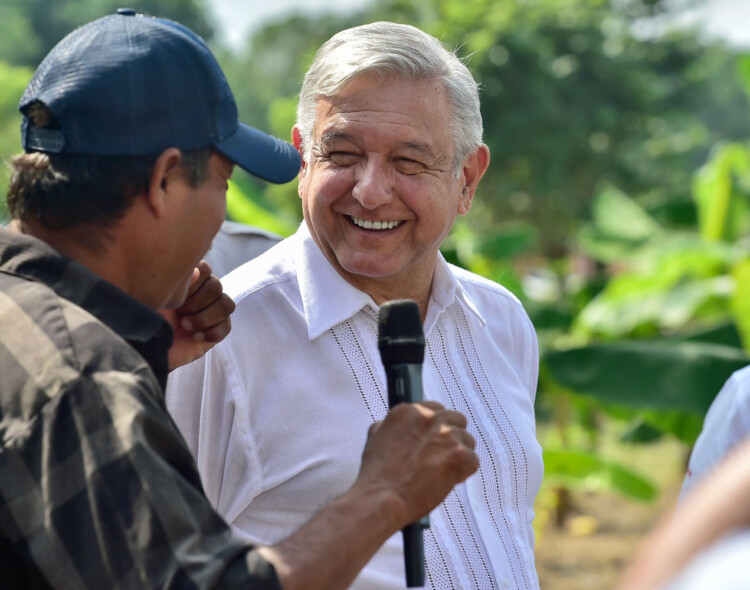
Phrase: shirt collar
(328, 299)
(446, 289)
(142, 327)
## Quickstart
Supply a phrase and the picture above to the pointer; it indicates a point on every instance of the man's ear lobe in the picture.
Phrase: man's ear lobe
(473, 169)
(165, 172)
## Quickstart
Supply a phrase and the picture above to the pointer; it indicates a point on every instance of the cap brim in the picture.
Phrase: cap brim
(261, 155)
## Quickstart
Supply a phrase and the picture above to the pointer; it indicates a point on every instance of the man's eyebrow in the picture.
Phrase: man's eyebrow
(419, 147)
(331, 136)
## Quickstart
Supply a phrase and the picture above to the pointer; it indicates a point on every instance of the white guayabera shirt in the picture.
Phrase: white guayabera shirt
(277, 414)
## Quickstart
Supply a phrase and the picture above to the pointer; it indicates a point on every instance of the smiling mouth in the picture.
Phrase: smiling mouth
(367, 224)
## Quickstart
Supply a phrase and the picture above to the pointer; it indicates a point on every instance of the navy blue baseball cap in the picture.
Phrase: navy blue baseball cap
(135, 85)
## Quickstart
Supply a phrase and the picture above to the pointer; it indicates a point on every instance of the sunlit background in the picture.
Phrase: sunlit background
(616, 208)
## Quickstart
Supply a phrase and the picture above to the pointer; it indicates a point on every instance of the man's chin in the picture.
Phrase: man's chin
(178, 296)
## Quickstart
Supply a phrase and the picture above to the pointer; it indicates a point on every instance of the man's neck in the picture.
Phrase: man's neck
(382, 291)
(92, 246)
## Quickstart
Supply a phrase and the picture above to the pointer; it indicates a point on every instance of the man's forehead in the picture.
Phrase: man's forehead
(368, 93)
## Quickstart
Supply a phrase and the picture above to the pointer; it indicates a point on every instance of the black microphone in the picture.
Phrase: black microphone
(401, 344)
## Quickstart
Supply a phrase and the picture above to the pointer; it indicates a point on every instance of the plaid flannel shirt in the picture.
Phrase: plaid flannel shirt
(97, 487)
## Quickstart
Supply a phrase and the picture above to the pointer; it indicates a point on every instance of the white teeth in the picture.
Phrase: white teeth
(367, 224)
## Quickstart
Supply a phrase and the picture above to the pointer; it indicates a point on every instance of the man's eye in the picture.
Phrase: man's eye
(343, 158)
(409, 166)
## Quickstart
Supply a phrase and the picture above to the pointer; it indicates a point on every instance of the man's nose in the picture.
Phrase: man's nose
(373, 184)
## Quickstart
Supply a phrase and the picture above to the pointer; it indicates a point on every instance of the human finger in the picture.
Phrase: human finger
(441, 413)
(200, 274)
(466, 438)
(213, 319)
(204, 292)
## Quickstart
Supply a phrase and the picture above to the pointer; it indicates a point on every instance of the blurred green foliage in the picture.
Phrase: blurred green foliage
(566, 467)
(13, 80)
(30, 28)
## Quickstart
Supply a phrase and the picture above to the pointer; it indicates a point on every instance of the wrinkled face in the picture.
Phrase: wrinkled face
(379, 194)
(199, 217)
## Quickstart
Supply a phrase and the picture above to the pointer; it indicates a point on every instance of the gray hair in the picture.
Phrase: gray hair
(392, 50)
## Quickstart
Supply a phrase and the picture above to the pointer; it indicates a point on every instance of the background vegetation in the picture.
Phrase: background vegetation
(615, 207)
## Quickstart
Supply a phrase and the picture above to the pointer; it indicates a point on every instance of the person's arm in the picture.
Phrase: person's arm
(411, 462)
(716, 505)
(120, 493)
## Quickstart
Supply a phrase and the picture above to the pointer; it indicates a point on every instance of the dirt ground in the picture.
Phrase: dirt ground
(602, 531)
(576, 558)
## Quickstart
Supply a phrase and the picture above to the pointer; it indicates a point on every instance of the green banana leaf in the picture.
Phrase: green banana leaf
(587, 470)
(648, 374)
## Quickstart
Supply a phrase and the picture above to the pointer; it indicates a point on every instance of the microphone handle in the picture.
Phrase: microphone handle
(414, 552)
(405, 386)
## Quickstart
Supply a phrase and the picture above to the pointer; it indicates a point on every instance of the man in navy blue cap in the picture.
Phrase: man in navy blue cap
(130, 134)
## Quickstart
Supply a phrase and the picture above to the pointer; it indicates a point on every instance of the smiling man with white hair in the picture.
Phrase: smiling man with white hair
(390, 133)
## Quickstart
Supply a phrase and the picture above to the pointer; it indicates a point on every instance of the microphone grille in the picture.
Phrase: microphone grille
(400, 334)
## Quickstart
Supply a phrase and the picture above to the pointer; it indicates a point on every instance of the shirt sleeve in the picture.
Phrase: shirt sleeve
(531, 357)
(105, 494)
(727, 423)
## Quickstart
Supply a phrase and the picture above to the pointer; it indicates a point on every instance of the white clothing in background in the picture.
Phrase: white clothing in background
(721, 566)
(235, 244)
(727, 423)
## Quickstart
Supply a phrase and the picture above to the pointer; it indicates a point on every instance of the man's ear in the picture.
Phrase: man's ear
(472, 171)
(297, 142)
(165, 172)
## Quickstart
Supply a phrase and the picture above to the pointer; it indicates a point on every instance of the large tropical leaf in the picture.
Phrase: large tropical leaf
(648, 374)
(685, 426)
(590, 471)
(618, 215)
(721, 209)
(740, 302)
(743, 69)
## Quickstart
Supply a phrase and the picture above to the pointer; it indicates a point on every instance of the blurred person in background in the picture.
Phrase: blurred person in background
(235, 244)
(726, 425)
(705, 544)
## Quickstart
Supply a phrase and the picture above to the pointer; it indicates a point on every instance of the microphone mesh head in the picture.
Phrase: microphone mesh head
(400, 334)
